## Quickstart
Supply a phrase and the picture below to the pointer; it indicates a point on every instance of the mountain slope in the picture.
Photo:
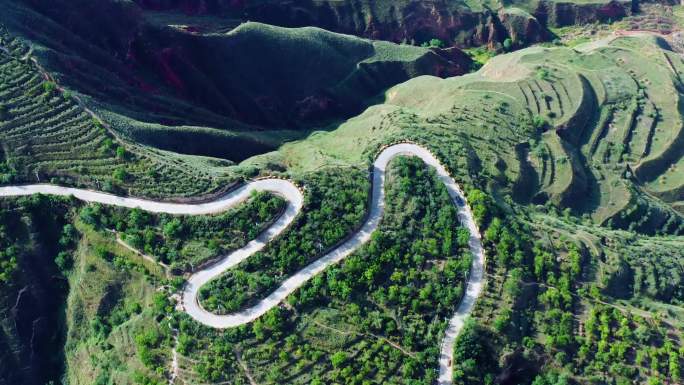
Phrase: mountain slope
(254, 77)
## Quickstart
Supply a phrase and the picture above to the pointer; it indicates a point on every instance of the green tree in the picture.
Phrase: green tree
(507, 44)
(433, 43)
(543, 74)
(338, 359)
(173, 228)
(120, 174)
(63, 261)
(8, 263)
(107, 145)
(120, 153)
(49, 87)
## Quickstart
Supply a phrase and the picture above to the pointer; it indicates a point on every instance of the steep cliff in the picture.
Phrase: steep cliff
(461, 23)
(563, 13)
(31, 305)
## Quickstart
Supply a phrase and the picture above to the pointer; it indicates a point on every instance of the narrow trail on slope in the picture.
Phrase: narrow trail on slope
(295, 199)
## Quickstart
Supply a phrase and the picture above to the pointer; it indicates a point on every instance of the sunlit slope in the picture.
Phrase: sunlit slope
(162, 81)
(597, 129)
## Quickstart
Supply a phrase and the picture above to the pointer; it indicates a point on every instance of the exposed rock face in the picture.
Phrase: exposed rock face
(412, 20)
(558, 14)
(407, 20)
(522, 27)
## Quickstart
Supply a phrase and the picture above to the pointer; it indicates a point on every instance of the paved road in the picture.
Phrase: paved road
(294, 198)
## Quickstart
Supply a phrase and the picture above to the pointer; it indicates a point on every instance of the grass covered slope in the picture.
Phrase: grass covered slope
(46, 135)
(109, 313)
(595, 129)
(554, 145)
(285, 76)
(160, 84)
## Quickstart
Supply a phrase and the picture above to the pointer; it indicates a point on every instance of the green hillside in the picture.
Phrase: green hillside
(570, 154)
(48, 136)
(595, 129)
(160, 83)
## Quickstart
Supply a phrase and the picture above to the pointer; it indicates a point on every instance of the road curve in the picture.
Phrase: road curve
(294, 200)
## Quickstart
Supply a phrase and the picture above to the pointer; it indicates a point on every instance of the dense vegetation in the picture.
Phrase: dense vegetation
(336, 202)
(9, 253)
(186, 242)
(377, 317)
(115, 317)
(549, 307)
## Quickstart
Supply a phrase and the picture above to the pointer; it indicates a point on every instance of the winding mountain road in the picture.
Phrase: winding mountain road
(295, 201)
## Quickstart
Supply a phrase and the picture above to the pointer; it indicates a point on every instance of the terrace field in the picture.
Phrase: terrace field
(48, 136)
(596, 129)
(160, 85)
(570, 155)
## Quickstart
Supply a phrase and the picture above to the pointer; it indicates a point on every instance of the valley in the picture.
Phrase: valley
(341, 192)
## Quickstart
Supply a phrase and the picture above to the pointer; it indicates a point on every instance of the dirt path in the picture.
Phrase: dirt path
(382, 338)
(243, 365)
(144, 256)
(174, 358)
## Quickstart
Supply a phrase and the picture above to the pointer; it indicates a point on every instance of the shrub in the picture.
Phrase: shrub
(8, 263)
(49, 87)
(338, 359)
(64, 261)
(433, 43)
(538, 122)
(120, 153)
(508, 44)
(120, 174)
(173, 228)
(543, 74)
(103, 253)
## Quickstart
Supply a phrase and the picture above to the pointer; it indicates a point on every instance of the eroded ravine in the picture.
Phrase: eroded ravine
(294, 198)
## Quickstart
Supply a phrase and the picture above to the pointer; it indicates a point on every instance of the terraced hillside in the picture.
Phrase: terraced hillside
(570, 158)
(161, 81)
(48, 136)
(625, 146)
(596, 129)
